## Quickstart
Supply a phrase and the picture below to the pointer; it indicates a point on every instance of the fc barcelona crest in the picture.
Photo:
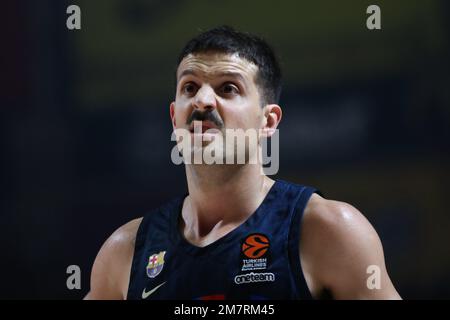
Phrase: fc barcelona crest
(155, 264)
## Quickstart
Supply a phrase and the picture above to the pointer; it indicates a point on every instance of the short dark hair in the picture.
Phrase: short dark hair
(250, 47)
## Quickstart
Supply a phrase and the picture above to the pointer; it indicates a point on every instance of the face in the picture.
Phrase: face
(222, 86)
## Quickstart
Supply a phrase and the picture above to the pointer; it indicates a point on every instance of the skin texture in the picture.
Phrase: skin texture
(337, 244)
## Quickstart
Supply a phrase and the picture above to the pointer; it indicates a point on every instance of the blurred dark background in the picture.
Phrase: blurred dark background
(85, 143)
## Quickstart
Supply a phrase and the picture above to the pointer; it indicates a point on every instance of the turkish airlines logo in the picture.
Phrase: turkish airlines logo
(255, 246)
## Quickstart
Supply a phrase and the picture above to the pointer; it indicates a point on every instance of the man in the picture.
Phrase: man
(237, 234)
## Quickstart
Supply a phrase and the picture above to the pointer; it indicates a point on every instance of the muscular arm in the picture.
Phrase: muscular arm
(111, 270)
(338, 245)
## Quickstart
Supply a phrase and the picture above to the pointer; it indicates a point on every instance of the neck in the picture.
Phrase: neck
(221, 197)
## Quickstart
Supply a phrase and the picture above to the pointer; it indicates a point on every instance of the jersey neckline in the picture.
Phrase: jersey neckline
(192, 249)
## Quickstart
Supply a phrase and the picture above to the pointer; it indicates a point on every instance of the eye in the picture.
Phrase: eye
(189, 88)
(230, 88)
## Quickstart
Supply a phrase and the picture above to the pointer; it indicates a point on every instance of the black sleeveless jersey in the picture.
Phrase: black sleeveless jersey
(258, 260)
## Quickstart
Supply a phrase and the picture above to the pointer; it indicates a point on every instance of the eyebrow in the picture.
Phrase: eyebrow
(221, 74)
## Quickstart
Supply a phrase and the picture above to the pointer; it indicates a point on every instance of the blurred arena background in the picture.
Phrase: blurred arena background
(86, 133)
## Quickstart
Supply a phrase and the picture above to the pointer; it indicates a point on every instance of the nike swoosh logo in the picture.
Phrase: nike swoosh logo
(145, 295)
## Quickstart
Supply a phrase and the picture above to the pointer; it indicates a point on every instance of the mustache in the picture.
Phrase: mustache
(208, 115)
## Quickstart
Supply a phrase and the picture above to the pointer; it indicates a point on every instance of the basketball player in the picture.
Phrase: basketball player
(236, 233)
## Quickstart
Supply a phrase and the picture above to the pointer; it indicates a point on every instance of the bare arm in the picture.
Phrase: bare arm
(111, 270)
(338, 249)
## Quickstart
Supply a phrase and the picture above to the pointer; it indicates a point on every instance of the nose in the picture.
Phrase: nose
(205, 99)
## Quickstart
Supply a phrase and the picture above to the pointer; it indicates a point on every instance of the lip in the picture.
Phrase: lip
(205, 125)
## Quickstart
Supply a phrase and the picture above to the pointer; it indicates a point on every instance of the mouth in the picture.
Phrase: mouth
(198, 127)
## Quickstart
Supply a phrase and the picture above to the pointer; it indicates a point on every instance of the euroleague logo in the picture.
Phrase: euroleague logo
(255, 246)
(255, 257)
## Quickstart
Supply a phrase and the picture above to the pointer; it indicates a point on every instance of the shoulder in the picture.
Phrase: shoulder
(331, 232)
(123, 239)
(338, 218)
(338, 246)
(111, 270)
(334, 230)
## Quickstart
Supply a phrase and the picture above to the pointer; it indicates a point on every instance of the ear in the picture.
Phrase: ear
(272, 117)
(172, 115)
